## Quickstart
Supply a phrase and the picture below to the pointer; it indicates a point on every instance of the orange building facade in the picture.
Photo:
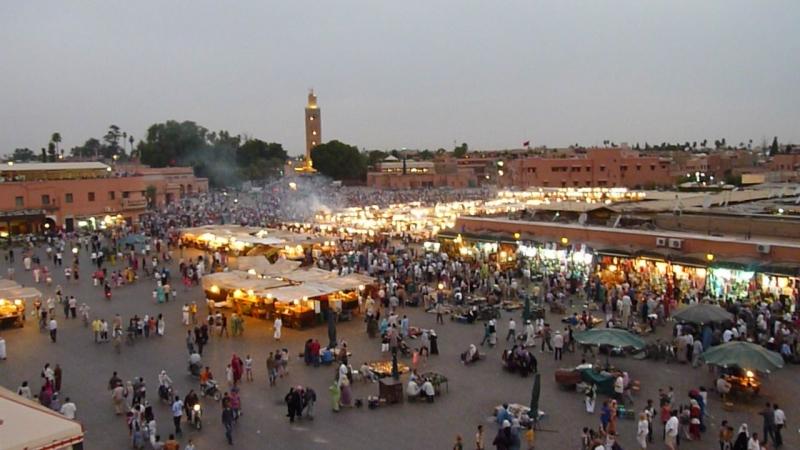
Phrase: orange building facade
(597, 168)
(395, 174)
(37, 197)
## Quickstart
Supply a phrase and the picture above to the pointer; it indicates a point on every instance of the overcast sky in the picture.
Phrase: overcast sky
(412, 73)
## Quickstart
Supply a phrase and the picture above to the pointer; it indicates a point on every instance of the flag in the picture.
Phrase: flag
(526, 143)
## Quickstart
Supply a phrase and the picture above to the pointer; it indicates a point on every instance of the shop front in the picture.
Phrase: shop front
(574, 261)
(679, 277)
(730, 282)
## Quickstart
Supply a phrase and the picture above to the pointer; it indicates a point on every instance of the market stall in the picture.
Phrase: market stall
(730, 281)
(27, 425)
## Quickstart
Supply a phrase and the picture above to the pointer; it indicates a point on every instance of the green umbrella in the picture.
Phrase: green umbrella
(613, 337)
(701, 313)
(743, 355)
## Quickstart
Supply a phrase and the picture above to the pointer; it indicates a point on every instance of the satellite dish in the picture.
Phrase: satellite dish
(582, 218)
(707, 201)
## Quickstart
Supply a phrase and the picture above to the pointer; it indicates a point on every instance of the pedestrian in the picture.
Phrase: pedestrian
(512, 330)
(53, 327)
(459, 445)
(309, 399)
(177, 414)
(277, 325)
(68, 409)
(642, 431)
(190, 340)
(24, 391)
(171, 443)
(57, 377)
(768, 416)
(479, 445)
(272, 371)
(671, 430)
(558, 345)
(248, 368)
(227, 422)
(780, 422)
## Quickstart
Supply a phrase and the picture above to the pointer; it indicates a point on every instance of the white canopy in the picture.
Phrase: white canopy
(27, 425)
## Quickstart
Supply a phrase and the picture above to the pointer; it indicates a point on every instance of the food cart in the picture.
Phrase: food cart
(12, 313)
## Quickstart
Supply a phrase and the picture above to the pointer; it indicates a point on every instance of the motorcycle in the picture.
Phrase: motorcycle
(211, 390)
(166, 393)
(195, 417)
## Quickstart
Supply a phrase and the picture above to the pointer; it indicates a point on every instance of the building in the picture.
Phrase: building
(598, 167)
(392, 173)
(313, 124)
(35, 197)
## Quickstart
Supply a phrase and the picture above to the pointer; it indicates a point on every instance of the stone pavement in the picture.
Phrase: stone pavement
(473, 390)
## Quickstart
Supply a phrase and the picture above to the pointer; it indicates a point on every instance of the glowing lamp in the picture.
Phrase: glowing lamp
(750, 374)
(709, 257)
(74, 250)
(197, 407)
(214, 289)
(564, 241)
(516, 236)
(440, 286)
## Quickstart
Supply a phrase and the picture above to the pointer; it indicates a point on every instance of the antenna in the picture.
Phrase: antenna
(617, 221)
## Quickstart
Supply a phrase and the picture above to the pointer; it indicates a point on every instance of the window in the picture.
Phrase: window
(112, 195)
(639, 168)
(126, 194)
(68, 197)
(588, 168)
(91, 196)
(45, 199)
(652, 167)
(18, 202)
(602, 168)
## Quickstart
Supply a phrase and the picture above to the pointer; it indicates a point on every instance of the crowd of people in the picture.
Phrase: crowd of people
(405, 276)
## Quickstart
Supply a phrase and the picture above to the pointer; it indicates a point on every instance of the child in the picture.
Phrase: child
(530, 437)
(248, 368)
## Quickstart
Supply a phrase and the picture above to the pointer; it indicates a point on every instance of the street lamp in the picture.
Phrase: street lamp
(710, 257)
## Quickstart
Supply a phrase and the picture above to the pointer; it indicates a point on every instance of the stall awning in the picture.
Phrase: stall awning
(781, 269)
(614, 252)
(28, 425)
(262, 266)
(303, 291)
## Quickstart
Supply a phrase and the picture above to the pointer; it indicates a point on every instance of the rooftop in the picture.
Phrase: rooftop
(52, 166)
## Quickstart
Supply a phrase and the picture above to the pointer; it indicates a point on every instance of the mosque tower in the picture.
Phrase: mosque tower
(313, 125)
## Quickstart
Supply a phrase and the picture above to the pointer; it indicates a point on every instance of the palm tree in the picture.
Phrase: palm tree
(56, 139)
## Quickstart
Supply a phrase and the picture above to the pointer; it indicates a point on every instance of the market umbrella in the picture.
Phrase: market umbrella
(701, 313)
(537, 388)
(743, 355)
(613, 337)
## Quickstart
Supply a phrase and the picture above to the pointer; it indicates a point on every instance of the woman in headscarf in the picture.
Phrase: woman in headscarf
(694, 420)
(236, 365)
(741, 438)
(336, 396)
(346, 393)
(642, 430)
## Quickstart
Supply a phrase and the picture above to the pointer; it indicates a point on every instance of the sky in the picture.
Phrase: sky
(414, 74)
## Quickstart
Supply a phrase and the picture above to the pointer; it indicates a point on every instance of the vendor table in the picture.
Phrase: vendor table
(391, 390)
(384, 368)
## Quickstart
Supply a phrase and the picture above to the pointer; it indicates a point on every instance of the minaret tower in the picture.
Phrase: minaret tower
(313, 126)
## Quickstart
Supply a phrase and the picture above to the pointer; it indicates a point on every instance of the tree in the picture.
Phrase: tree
(51, 152)
(112, 147)
(258, 159)
(461, 150)
(43, 156)
(374, 157)
(89, 149)
(56, 139)
(167, 143)
(339, 161)
(773, 149)
(425, 154)
(23, 155)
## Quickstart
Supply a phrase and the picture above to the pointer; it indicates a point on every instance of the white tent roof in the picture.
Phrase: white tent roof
(7, 284)
(30, 426)
(261, 265)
